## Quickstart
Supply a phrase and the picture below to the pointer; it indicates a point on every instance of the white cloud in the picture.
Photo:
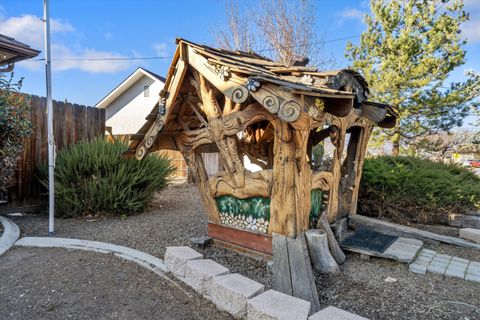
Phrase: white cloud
(161, 49)
(351, 14)
(29, 29)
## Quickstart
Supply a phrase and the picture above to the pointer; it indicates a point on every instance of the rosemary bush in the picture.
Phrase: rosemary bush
(92, 179)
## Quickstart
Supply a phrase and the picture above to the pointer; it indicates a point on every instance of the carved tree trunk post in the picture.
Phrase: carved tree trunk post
(290, 198)
(303, 181)
(336, 168)
(361, 153)
(348, 172)
(282, 205)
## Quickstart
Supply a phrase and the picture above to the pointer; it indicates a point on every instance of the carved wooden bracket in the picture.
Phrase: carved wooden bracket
(282, 103)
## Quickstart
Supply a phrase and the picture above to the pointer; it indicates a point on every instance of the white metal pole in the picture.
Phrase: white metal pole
(51, 140)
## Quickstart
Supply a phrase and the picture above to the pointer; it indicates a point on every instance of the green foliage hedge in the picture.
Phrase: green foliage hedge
(92, 179)
(14, 127)
(416, 190)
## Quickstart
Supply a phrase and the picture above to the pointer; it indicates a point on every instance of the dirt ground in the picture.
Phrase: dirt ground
(177, 215)
(63, 284)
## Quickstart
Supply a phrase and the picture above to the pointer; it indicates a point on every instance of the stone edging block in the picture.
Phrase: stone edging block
(10, 234)
(231, 292)
(200, 273)
(176, 259)
(332, 313)
(274, 305)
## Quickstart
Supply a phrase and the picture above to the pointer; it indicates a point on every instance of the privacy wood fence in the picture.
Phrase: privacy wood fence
(71, 123)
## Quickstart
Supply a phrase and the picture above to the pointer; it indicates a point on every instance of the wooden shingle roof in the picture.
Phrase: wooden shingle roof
(240, 72)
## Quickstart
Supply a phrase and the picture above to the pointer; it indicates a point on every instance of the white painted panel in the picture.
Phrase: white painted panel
(211, 163)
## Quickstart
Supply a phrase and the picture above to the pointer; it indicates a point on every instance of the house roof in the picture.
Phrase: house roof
(12, 51)
(238, 71)
(126, 84)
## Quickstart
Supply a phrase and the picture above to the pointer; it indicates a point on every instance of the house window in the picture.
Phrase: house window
(146, 91)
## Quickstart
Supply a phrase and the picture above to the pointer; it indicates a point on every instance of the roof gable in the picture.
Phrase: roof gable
(127, 84)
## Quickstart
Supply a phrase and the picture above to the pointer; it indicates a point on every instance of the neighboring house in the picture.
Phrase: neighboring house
(12, 51)
(127, 105)
(131, 101)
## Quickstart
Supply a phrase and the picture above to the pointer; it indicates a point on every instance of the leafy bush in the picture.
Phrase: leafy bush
(416, 190)
(92, 179)
(14, 127)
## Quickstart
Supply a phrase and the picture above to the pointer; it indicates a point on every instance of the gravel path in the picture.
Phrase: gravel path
(177, 214)
(62, 284)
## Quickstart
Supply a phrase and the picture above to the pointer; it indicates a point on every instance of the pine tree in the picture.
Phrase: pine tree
(406, 54)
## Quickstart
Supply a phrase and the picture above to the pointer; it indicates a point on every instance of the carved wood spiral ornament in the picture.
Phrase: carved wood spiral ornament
(239, 94)
(140, 153)
(271, 103)
(289, 111)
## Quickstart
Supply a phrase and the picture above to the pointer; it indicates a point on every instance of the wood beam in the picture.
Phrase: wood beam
(232, 86)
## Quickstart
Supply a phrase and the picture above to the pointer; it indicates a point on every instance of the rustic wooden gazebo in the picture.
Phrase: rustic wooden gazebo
(242, 104)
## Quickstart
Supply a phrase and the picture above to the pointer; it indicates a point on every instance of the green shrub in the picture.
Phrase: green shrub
(416, 190)
(92, 179)
(14, 127)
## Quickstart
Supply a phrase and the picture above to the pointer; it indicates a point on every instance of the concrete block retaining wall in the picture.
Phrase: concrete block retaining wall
(241, 297)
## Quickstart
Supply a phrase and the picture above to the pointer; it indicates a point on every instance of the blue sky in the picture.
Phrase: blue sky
(146, 28)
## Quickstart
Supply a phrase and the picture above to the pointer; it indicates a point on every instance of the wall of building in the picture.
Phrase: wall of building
(126, 115)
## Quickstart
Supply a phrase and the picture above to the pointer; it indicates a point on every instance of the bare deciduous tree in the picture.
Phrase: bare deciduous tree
(281, 29)
(239, 34)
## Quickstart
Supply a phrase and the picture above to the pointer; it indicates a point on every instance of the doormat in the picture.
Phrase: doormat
(365, 238)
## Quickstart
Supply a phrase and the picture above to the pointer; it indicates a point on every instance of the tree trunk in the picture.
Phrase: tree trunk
(320, 256)
(396, 143)
(335, 249)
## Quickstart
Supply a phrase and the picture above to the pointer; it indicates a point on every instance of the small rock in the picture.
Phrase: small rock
(390, 280)
(202, 241)
(364, 257)
(270, 266)
(15, 214)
